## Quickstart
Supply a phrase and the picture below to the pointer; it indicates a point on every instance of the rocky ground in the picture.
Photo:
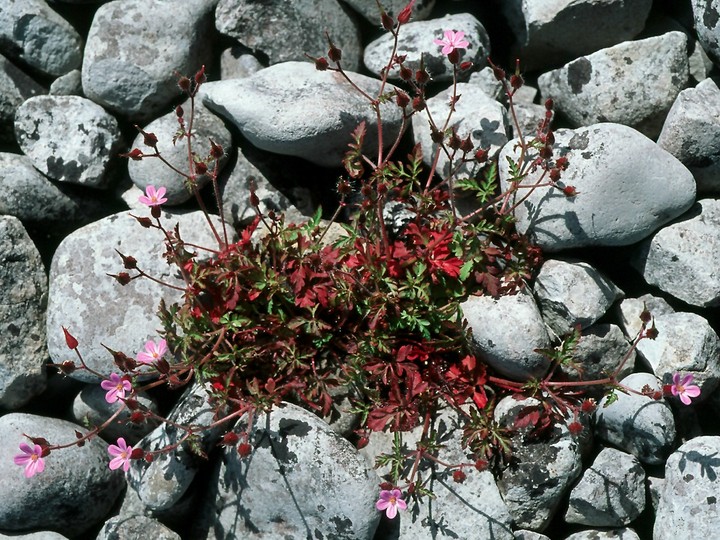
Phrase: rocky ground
(638, 119)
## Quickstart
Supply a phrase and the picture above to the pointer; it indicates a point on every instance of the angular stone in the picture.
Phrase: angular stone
(257, 25)
(637, 424)
(610, 493)
(236, 63)
(68, 138)
(629, 311)
(616, 171)
(681, 258)
(416, 40)
(23, 289)
(135, 48)
(293, 109)
(506, 332)
(75, 491)
(624, 533)
(550, 32)
(688, 505)
(571, 293)
(634, 83)
(134, 527)
(36, 35)
(369, 10)
(15, 87)
(706, 15)
(601, 350)
(691, 133)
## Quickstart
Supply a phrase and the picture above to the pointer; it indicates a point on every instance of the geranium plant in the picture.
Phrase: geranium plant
(285, 314)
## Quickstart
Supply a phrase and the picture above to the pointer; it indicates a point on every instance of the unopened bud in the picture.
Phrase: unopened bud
(321, 64)
(402, 99)
(200, 76)
(70, 340)
(405, 73)
(454, 56)
(184, 84)
(516, 81)
(418, 103)
(405, 13)
(422, 76)
(549, 103)
(464, 66)
(134, 154)
(216, 151)
(123, 278)
(200, 168)
(244, 449)
(387, 21)
(334, 53)
(569, 191)
(459, 476)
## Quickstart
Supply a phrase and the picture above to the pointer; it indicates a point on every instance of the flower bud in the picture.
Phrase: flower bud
(179, 112)
(464, 66)
(137, 453)
(200, 76)
(144, 221)
(436, 135)
(67, 367)
(575, 428)
(382, 188)
(254, 201)
(422, 76)
(405, 73)
(70, 340)
(569, 191)
(481, 155)
(200, 168)
(334, 53)
(230, 439)
(137, 417)
(549, 103)
(402, 99)
(645, 315)
(216, 151)
(561, 163)
(321, 64)
(467, 145)
(123, 278)
(481, 465)
(454, 56)
(418, 103)
(156, 211)
(362, 442)
(344, 187)
(184, 84)
(129, 262)
(459, 476)
(516, 81)
(135, 154)
(387, 21)
(244, 449)
(405, 13)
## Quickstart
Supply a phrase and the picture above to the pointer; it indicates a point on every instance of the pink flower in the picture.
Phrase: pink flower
(116, 387)
(682, 388)
(121, 454)
(390, 501)
(153, 197)
(31, 458)
(152, 352)
(453, 40)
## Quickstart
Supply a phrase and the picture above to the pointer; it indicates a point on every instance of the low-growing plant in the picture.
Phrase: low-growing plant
(297, 312)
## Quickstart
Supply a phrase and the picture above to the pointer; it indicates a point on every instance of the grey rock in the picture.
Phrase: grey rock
(69, 84)
(90, 408)
(236, 63)
(601, 350)
(506, 332)
(530, 535)
(603, 534)
(529, 116)
(152, 171)
(134, 527)
(681, 258)
(637, 424)
(68, 138)
(33, 199)
(15, 87)
(162, 483)
(94, 307)
(369, 10)
(629, 311)
(293, 109)
(686, 343)
(571, 293)
(41, 535)
(300, 479)
(549, 32)
(36, 35)
(257, 25)
(634, 83)
(23, 289)
(615, 171)
(535, 488)
(416, 40)
(611, 493)
(688, 498)
(706, 15)
(75, 491)
(486, 81)
(691, 133)
(476, 114)
(133, 53)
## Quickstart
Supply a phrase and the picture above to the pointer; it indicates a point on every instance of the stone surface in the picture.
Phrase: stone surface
(634, 83)
(603, 534)
(549, 32)
(706, 15)
(686, 343)
(630, 309)
(476, 115)
(416, 40)
(129, 77)
(291, 108)
(600, 351)
(37, 36)
(300, 480)
(151, 171)
(257, 25)
(15, 87)
(236, 63)
(23, 289)
(571, 293)
(681, 258)
(610, 493)
(75, 491)
(616, 171)
(135, 527)
(637, 424)
(94, 307)
(420, 9)
(688, 498)
(68, 138)
(691, 133)
(506, 332)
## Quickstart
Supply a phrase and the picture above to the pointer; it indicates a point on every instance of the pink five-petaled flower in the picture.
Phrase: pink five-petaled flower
(682, 388)
(153, 352)
(116, 387)
(121, 455)
(31, 459)
(390, 500)
(153, 197)
(452, 41)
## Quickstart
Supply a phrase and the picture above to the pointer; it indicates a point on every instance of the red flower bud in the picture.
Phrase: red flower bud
(123, 278)
(254, 201)
(135, 154)
(362, 442)
(344, 187)
(334, 53)
(216, 151)
(137, 417)
(129, 262)
(588, 405)
(402, 99)
(422, 76)
(230, 439)
(645, 315)
(459, 476)
(561, 163)
(418, 103)
(321, 64)
(144, 221)
(454, 56)
(549, 103)
(184, 84)
(466, 65)
(481, 155)
(467, 145)
(569, 191)
(387, 486)
(71, 342)
(387, 21)
(405, 73)
(481, 465)
(575, 428)
(652, 333)
(200, 168)
(156, 211)
(405, 13)
(516, 81)
(179, 111)
(149, 458)
(200, 76)
(244, 449)
(67, 367)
